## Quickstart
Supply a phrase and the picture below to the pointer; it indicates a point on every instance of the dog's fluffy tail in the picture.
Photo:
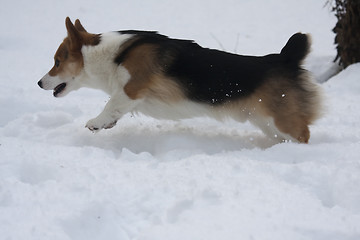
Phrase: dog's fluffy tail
(296, 49)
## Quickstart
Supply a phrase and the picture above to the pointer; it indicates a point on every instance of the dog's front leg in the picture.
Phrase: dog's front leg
(117, 106)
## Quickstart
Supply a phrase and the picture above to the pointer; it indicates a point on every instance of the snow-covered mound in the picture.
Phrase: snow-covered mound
(157, 180)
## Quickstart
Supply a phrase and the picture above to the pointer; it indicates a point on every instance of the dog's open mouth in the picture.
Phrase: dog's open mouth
(59, 88)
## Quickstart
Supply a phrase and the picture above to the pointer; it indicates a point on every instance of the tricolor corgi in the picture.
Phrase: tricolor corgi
(174, 79)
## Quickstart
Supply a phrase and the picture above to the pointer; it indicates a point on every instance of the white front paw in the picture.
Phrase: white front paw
(98, 123)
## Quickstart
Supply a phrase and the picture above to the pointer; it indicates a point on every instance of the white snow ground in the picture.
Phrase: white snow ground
(150, 179)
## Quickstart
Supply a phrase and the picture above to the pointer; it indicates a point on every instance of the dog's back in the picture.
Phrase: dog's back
(213, 76)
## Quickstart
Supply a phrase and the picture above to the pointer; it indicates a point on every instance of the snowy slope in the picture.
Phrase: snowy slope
(150, 179)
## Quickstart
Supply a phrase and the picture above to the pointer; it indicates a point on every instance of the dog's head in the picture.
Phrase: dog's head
(66, 74)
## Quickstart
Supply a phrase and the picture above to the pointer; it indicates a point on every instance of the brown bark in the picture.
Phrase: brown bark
(347, 31)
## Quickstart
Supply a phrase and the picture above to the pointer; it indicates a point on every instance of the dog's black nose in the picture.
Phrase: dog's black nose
(40, 83)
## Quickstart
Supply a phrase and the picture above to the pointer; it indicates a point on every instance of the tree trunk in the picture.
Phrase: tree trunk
(347, 31)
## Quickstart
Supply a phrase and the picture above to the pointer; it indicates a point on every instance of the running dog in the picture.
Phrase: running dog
(168, 78)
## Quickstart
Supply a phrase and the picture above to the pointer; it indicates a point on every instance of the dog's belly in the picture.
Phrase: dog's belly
(188, 109)
(176, 111)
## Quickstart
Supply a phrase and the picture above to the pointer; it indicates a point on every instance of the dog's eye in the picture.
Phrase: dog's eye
(57, 62)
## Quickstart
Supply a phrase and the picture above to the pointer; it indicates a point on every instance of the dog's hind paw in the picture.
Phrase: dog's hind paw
(95, 125)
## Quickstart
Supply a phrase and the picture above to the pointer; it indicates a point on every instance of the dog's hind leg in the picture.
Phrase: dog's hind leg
(292, 106)
(294, 126)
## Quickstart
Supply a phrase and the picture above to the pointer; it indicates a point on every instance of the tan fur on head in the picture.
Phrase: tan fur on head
(67, 62)
(68, 58)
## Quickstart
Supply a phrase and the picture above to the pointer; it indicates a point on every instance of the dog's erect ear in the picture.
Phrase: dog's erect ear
(73, 35)
(78, 26)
